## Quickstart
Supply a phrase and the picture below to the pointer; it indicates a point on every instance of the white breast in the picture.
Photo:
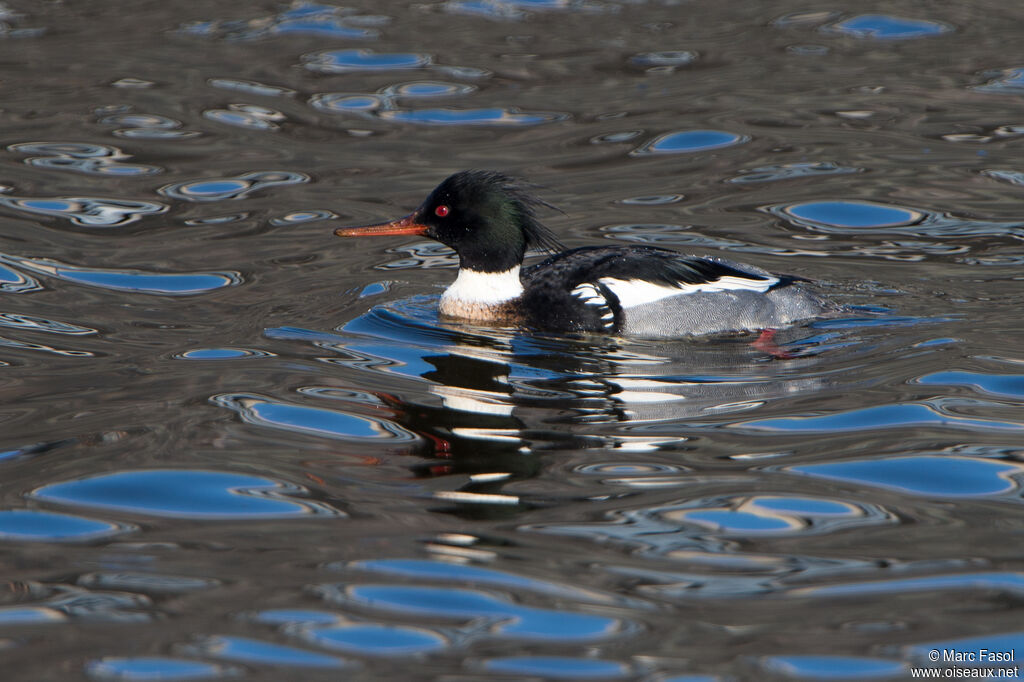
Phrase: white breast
(472, 289)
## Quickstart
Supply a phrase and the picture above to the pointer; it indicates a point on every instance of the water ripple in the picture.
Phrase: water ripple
(463, 72)
(137, 281)
(804, 18)
(186, 493)
(147, 583)
(155, 668)
(250, 87)
(258, 652)
(927, 475)
(515, 10)
(221, 354)
(897, 415)
(789, 171)
(347, 103)
(494, 9)
(222, 219)
(699, 530)
(370, 639)
(303, 19)
(247, 116)
(315, 421)
(467, 574)
(985, 134)
(682, 235)
(639, 474)
(86, 211)
(383, 108)
(41, 324)
(328, 21)
(230, 188)
(887, 27)
(616, 137)
(846, 214)
(557, 668)
(345, 61)
(663, 62)
(296, 617)
(102, 606)
(859, 216)
(772, 514)
(384, 105)
(9, 29)
(1007, 583)
(93, 159)
(147, 126)
(132, 83)
(30, 615)
(1003, 82)
(1001, 385)
(420, 89)
(308, 216)
(689, 141)
(509, 116)
(652, 200)
(42, 526)
(1013, 177)
(26, 345)
(13, 282)
(422, 256)
(503, 617)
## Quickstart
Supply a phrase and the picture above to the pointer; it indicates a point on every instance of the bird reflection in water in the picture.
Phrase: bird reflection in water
(496, 400)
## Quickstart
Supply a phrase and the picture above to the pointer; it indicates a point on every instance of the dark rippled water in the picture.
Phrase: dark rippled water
(234, 445)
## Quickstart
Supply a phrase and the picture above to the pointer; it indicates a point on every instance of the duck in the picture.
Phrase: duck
(490, 220)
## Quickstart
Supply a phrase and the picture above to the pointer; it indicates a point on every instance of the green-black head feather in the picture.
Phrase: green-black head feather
(488, 217)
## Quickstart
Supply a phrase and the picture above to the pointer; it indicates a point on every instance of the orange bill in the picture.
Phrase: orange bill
(406, 225)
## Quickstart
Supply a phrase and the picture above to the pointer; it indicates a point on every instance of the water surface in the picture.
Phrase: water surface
(235, 446)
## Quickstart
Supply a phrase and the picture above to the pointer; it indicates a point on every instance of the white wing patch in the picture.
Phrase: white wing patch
(634, 292)
(589, 294)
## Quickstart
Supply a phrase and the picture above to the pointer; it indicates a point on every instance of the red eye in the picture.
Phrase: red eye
(441, 211)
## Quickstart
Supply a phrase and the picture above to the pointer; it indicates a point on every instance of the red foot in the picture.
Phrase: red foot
(442, 446)
(766, 344)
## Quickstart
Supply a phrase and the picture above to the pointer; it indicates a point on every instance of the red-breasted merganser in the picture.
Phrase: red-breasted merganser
(489, 219)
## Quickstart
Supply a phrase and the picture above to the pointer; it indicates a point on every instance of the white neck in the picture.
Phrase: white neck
(473, 288)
